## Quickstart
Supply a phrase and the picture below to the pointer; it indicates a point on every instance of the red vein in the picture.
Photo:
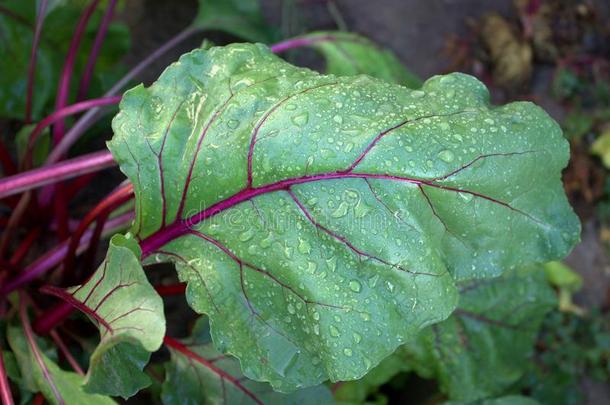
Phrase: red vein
(176, 345)
(181, 227)
(264, 119)
(459, 169)
(385, 132)
(266, 273)
(343, 239)
(29, 335)
(61, 294)
(160, 163)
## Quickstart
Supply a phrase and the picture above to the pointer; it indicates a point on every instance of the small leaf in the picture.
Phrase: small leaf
(67, 384)
(242, 18)
(601, 147)
(129, 314)
(485, 345)
(199, 374)
(349, 54)
(319, 220)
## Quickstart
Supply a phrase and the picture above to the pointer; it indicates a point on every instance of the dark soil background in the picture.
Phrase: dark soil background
(419, 33)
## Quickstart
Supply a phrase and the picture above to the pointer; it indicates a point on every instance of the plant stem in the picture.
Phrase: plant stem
(294, 43)
(89, 118)
(104, 208)
(5, 388)
(172, 289)
(52, 174)
(58, 115)
(95, 50)
(42, 10)
(56, 255)
(29, 335)
(63, 88)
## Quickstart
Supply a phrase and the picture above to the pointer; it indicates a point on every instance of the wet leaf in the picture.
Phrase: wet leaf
(485, 346)
(349, 54)
(318, 220)
(205, 376)
(57, 385)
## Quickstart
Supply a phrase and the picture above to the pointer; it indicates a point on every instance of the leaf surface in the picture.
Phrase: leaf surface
(318, 220)
(129, 314)
(206, 376)
(57, 385)
(349, 54)
(485, 346)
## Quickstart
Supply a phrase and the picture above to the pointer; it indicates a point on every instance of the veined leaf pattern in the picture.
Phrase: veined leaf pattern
(318, 220)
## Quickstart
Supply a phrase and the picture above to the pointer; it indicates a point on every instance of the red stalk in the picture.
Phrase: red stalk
(63, 88)
(95, 50)
(5, 388)
(172, 289)
(102, 209)
(69, 299)
(29, 335)
(176, 345)
(25, 246)
(66, 353)
(56, 255)
(42, 9)
(61, 113)
(64, 170)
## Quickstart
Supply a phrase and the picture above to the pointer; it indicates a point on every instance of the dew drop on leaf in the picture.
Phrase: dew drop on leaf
(301, 119)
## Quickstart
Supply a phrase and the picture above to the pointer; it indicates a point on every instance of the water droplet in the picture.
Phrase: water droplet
(355, 286)
(291, 107)
(232, 123)
(246, 236)
(301, 119)
(348, 352)
(338, 119)
(334, 331)
(418, 94)
(357, 337)
(316, 316)
(341, 210)
(304, 246)
(291, 309)
(446, 156)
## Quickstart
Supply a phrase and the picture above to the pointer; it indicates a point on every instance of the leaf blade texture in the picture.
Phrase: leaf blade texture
(129, 314)
(485, 346)
(207, 376)
(329, 215)
(53, 381)
(349, 54)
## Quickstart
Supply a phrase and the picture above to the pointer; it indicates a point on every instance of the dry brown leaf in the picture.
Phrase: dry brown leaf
(511, 57)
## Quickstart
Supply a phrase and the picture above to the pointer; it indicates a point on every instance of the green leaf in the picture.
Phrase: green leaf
(129, 313)
(205, 376)
(507, 400)
(485, 345)
(67, 384)
(242, 18)
(16, 36)
(560, 275)
(601, 147)
(349, 54)
(318, 219)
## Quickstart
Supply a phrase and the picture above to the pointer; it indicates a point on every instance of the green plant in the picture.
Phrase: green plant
(320, 222)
